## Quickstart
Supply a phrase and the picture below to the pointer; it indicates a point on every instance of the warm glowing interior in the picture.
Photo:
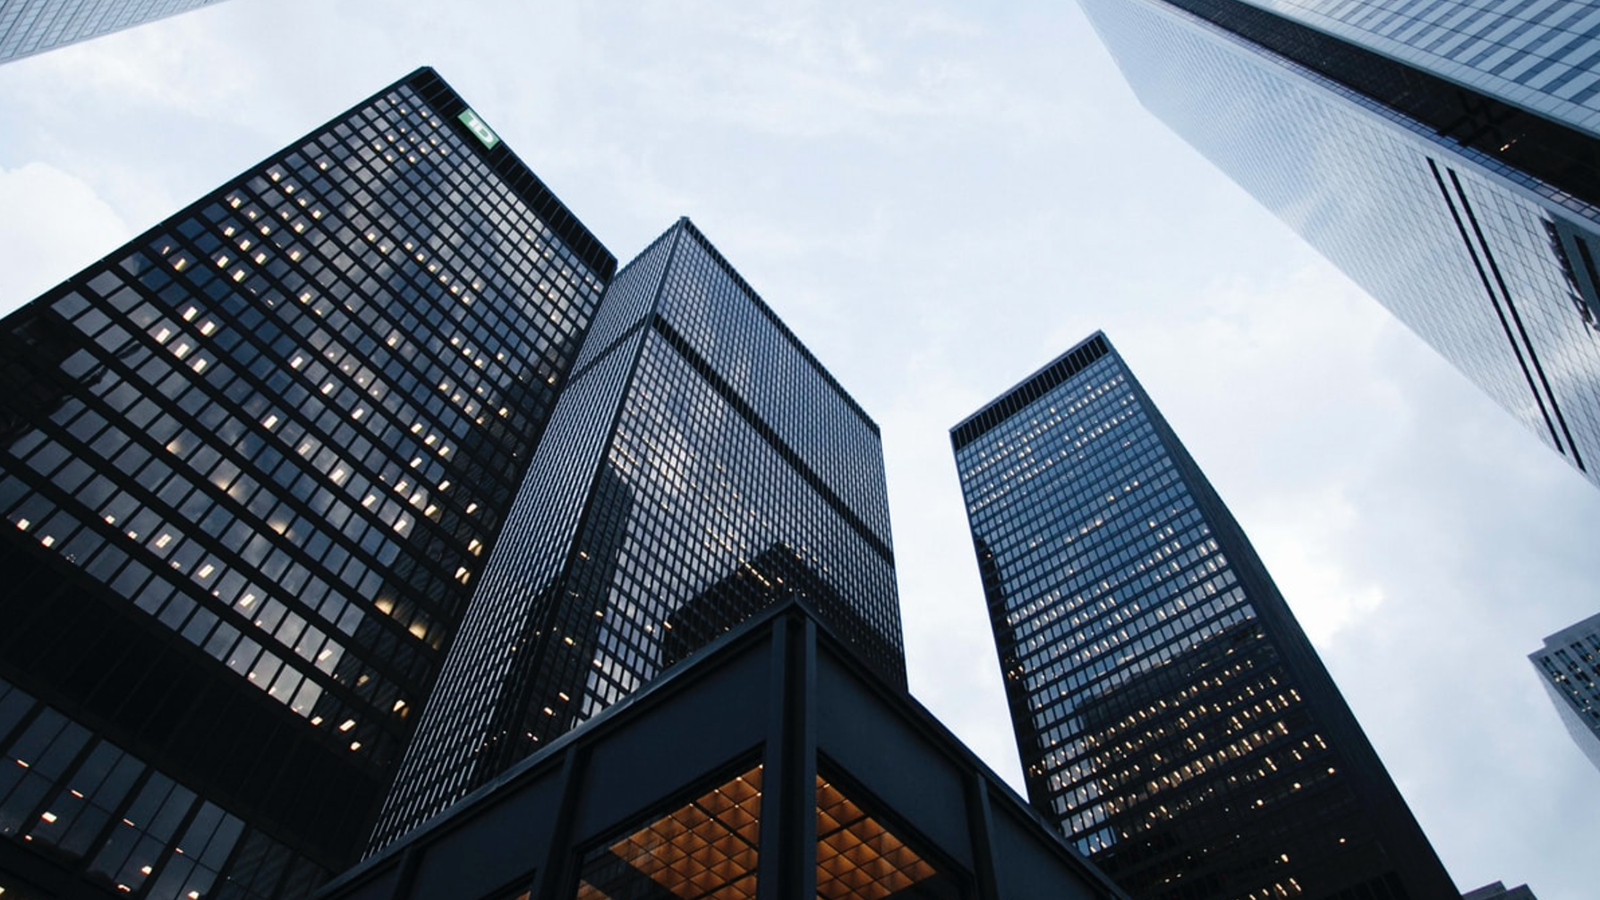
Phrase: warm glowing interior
(706, 850)
(857, 858)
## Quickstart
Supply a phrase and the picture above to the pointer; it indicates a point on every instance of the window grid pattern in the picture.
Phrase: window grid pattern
(450, 750)
(1569, 668)
(285, 425)
(660, 482)
(78, 798)
(1357, 181)
(34, 26)
(315, 401)
(1158, 719)
(1540, 54)
(741, 339)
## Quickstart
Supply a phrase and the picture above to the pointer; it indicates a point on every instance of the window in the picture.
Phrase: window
(704, 848)
(860, 858)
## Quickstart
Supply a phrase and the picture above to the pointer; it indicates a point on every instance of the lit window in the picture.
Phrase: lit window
(860, 859)
(706, 848)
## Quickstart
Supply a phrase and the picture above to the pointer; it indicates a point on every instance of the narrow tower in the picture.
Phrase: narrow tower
(700, 466)
(1444, 155)
(1170, 714)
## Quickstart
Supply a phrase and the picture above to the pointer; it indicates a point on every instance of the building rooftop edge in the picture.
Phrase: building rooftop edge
(521, 178)
(705, 242)
(746, 633)
(1556, 639)
(1042, 379)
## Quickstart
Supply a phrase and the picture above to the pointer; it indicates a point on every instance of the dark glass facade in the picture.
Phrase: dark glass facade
(1498, 891)
(807, 777)
(1427, 150)
(700, 465)
(1569, 668)
(251, 467)
(1170, 714)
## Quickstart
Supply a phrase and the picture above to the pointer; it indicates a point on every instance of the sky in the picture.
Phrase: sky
(939, 198)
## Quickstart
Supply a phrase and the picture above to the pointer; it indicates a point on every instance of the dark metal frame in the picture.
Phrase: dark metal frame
(767, 680)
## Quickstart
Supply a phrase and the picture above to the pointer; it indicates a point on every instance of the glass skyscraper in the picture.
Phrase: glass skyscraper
(252, 464)
(34, 26)
(700, 466)
(1569, 668)
(1443, 154)
(773, 765)
(1540, 55)
(1170, 714)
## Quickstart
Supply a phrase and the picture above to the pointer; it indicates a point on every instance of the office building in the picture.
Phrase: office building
(1498, 891)
(1569, 668)
(252, 464)
(1171, 716)
(808, 778)
(1443, 155)
(699, 466)
(34, 26)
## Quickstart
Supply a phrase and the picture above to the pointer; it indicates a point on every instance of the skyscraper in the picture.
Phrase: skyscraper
(774, 765)
(1444, 155)
(34, 26)
(700, 465)
(1498, 891)
(251, 465)
(1569, 668)
(1170, 714)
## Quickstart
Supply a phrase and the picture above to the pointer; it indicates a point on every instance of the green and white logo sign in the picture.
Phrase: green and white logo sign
(481, 131)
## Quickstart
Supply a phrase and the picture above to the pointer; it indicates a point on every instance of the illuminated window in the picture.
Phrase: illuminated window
(858, 858)
(705, 848)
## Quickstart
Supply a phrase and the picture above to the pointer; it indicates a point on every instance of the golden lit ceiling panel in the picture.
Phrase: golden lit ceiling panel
(704, 850)
(857, 858)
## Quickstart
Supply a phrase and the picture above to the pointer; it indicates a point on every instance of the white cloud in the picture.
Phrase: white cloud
(1301, 537)
(66, 228)
(179, 66)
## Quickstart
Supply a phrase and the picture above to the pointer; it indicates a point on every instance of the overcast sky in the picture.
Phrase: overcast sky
(939, 198)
